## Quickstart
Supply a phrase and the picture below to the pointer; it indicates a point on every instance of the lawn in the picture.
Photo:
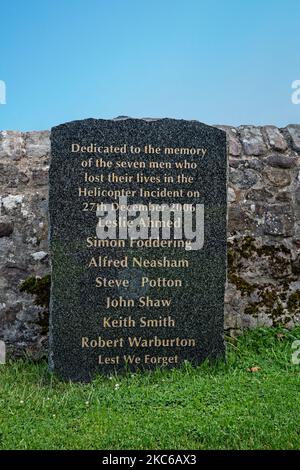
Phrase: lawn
(225, 406)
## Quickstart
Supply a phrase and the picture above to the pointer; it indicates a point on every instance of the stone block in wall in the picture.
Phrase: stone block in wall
(281, 161)
(241, 219)
(243, 178)
(279, 220)
(37, 144)
(278, 177)
(234, 144)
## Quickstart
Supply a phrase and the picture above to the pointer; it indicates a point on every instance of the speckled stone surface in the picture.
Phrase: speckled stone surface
(78, 307)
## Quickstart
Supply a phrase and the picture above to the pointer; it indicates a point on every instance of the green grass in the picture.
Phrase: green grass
(210, 407)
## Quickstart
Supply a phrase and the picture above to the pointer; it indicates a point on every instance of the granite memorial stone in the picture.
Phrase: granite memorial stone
(138, 245)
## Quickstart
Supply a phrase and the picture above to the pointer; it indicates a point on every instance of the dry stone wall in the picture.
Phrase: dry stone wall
(263, 233)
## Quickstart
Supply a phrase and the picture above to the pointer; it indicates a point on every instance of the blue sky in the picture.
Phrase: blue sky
(221, 62)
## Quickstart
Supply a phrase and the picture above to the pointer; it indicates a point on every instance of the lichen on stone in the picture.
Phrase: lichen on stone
(263, 229)
(293, 302)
